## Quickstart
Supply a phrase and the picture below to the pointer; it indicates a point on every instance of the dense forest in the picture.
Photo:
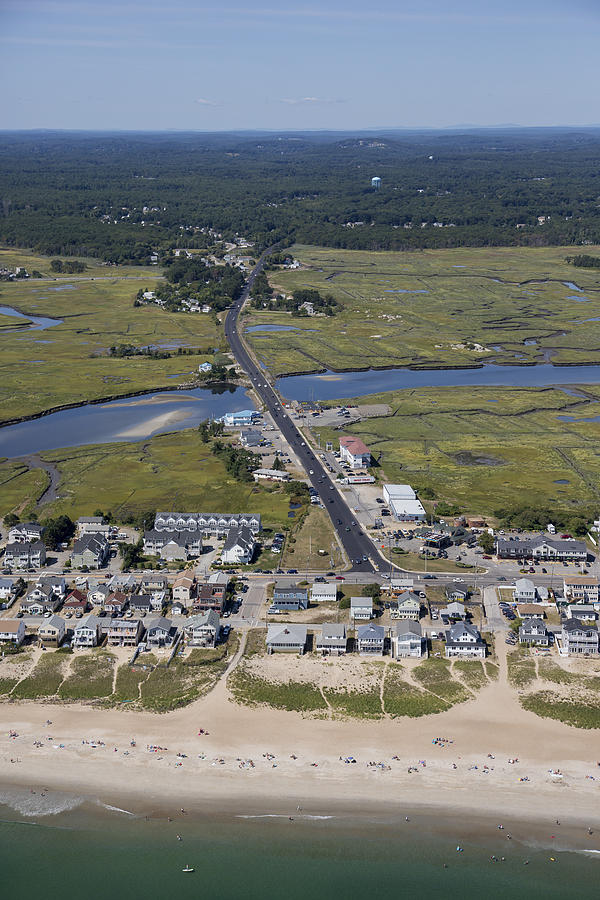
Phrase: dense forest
(123, 197)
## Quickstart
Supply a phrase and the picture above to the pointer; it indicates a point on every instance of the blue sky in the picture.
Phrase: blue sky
(339, 64)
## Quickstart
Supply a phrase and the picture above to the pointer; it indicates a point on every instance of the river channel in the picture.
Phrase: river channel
(125, 419)
(34, 323)
(334, 385)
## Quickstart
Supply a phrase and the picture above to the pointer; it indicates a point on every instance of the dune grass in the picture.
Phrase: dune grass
(434, 674)
(45, 679)
(403, 699)
(90, 678)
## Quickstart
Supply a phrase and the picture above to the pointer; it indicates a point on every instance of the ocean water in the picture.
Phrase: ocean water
(82, 849)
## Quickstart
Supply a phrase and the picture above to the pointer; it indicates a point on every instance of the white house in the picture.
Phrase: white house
(270, 475)
(286, 638)
(464, 640)
(238, 547)
(242, 417)
(7, 592)
(332, 639)
(408, 640)
(323, 593)
(12, 631)
(25, 531)
(85, 632)
(354, 452)
(160, 632)
(524, 591)
(361, 608)
(203, 630)
(581, 588)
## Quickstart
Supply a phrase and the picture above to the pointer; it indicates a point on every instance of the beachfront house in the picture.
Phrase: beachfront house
(579, 638)
(533, 632)
(370, 639)
(323, 593)
(86, 632)
(91, 550)
(12, 631)
(407, 606)
(464, 640)
(287, 638)
(202, 630)
(332, 639)
(238, 548)
(361, 608)
(51, 632)
(125, 632)
(408, 640)
(161, 632)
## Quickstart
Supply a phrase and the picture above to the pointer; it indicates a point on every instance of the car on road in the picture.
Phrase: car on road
(347, 528)
(428, 577)
(339, 578)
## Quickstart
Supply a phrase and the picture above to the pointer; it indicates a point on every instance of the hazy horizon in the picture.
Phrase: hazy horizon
(105, 65)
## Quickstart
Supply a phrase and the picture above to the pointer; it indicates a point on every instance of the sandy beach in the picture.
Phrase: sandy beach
(257, 761)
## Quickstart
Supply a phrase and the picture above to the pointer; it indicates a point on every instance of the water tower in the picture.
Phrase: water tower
(376, 183)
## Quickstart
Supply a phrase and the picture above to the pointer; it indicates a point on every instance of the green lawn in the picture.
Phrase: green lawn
(67, 363)
(422, 308)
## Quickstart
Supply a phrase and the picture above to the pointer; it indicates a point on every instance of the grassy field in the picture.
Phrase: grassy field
(19, 486)
(434, 675)
(423, 308)
(489, 447)
(168, 471)
(315, 533)
(37, 367)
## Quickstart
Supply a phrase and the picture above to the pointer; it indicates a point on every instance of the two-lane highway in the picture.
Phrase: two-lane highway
(360, 549)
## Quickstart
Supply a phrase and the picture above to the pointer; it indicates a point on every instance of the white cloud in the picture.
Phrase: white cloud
(204, 102)
(296, 101)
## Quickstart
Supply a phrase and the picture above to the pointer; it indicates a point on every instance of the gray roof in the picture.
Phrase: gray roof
(407, 627)
(462, 628)
(577, 625)
(159, 622)
(90, 621)
(533, 622)
(532, 543)
(55, 621)
(287, 634)
(370, 632)
(91, 520)
(361, 601)
(94, 542)
(239, 536)
(208, 618)
(333, 632)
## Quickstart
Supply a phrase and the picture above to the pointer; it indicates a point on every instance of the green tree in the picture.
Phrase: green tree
(486, 542)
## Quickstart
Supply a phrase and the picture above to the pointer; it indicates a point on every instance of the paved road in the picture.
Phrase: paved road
(361, 551)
